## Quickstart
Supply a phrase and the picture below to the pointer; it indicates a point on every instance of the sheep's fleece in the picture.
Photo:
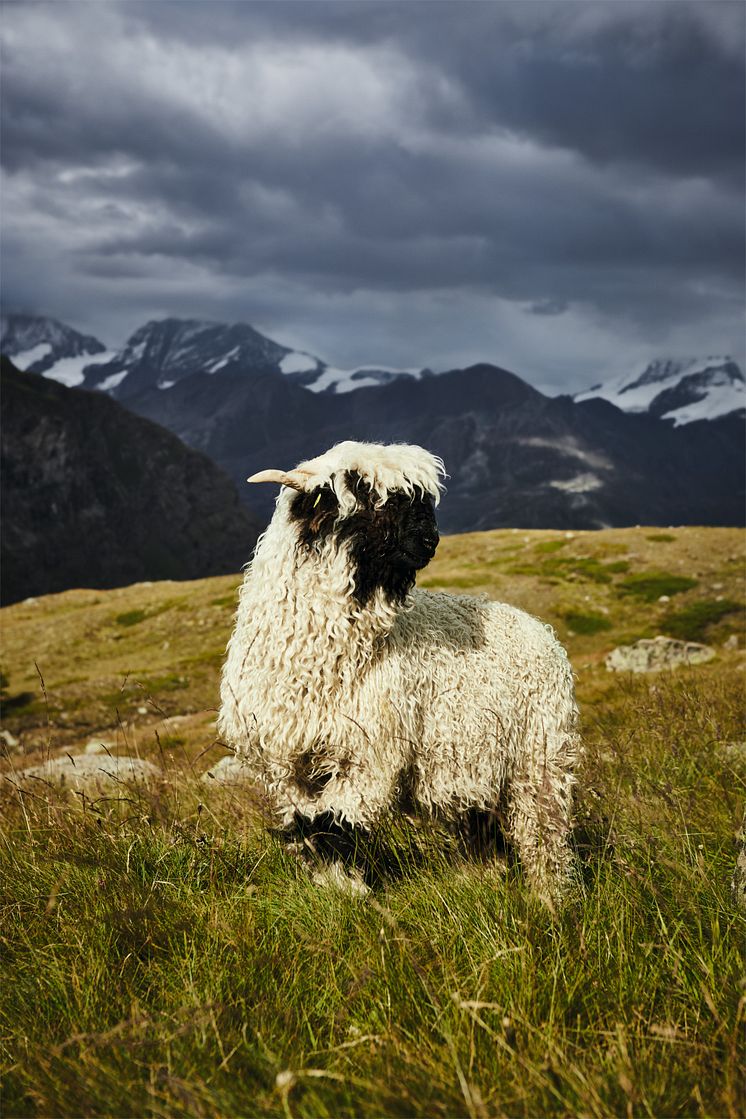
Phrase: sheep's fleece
(344, 705)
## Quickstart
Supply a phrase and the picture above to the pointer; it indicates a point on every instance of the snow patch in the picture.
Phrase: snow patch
(297, 362)
(569, 447)
(223, 360)
(111, 381)
(581, 483)
(166, 384)
(363, 376)
(69, 370)
(719, 401)
(27, 358)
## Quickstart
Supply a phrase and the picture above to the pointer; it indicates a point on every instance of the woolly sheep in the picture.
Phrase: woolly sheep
(348, 693)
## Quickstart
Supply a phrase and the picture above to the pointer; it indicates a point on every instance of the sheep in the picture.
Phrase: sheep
(349, 694)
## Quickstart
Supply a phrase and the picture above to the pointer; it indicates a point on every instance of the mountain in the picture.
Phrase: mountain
(162, 353)
(42, 345)
(515, 456)
(682, 391)
(95, 496)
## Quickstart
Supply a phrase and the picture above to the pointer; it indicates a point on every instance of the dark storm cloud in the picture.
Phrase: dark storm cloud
(548, 156)
(651, 82)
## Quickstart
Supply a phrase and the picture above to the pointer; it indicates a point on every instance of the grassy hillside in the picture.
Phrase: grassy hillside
(162, 955)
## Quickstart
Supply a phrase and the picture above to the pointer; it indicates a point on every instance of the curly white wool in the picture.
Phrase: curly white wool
(340, 707)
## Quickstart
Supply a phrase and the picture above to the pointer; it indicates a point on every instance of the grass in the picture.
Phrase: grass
(650, 586)
(130, 618)
(587, 623)
(163, 955)
(693, 622)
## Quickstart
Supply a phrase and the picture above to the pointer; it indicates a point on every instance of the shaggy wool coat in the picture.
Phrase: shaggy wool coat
(453, 702)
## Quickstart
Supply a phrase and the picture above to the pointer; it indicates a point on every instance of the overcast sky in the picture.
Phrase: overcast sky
(555, 187)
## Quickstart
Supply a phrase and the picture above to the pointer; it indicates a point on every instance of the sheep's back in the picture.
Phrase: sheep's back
(492, 681)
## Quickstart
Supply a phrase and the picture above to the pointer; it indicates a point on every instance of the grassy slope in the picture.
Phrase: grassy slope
(163, 956)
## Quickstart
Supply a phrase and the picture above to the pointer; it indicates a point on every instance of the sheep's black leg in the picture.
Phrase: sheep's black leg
(480, 834)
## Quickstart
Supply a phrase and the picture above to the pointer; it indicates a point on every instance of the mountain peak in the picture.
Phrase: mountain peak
(40, 344)
(679, 389)
(165, 351)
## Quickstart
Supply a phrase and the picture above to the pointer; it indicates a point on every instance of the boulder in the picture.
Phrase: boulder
(654, 654)
(230, 770)
(86, 772)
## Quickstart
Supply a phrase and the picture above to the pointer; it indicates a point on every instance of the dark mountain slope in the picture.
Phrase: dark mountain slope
(95, 496)
(515, 456)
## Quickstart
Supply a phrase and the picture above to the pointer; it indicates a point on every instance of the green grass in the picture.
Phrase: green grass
(660, 537)
(587, 623)
(130, 617)
(692, 622)
(161, 954)
(650, 585)
(546, 547)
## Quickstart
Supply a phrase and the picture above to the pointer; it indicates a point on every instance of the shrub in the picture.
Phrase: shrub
(660, 537)
(587, 624)
(130, 618)
(650, 585)
(547, 546)
(692, 622)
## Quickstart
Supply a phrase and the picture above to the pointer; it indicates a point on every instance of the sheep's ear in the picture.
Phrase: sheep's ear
(296, 479)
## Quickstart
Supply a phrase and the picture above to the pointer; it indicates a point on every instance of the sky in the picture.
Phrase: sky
(555, 187)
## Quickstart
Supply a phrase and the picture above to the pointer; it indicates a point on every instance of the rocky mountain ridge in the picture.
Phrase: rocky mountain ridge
(516, 457)
(95, 496)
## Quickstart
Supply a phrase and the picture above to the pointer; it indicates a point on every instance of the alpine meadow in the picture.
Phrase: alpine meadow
(163, 954)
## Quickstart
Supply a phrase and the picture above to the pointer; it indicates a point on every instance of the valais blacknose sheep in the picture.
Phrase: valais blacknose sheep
(350, 694)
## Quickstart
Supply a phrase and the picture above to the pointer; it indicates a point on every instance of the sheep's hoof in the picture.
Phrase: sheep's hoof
(335, 876)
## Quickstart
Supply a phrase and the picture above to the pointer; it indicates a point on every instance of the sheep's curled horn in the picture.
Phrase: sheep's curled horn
(297, 479)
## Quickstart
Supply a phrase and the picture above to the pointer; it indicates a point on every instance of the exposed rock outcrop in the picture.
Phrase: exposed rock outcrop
(654, 654)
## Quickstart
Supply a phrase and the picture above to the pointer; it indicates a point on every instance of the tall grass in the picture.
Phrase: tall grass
(162, 955)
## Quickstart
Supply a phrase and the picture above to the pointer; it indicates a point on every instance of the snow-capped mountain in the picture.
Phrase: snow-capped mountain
(162, 353)
(516, 456)
(683, 391)
(42, 345)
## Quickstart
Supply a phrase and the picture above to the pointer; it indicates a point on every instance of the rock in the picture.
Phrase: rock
(98, 746)
(88, 772)
(664, 598)
(10, 740)
(230, 770)
(731, 642)
(652, 655)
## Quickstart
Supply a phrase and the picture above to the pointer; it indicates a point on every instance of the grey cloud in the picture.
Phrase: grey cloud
(553, 156)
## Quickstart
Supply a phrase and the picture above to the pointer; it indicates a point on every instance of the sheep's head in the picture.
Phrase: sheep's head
(378, 502)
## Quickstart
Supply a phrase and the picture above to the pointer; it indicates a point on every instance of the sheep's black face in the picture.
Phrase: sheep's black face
(387, 545)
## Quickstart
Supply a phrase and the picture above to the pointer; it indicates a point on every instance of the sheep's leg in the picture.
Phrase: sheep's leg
(539, 820)
(480, 833)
